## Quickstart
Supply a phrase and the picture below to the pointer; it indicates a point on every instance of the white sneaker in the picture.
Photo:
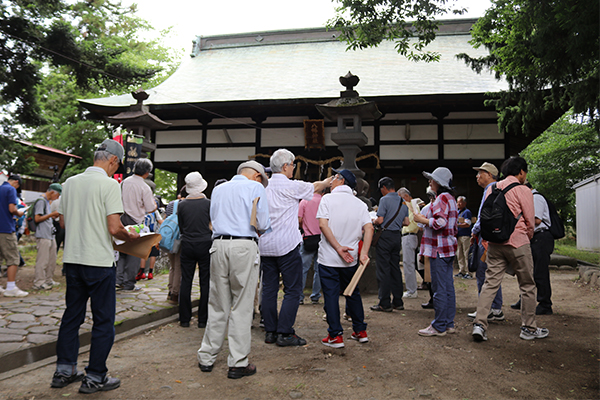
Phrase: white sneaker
(479, 334)
(472, 315)
(53, 283)
(16, 292)
(408, 295)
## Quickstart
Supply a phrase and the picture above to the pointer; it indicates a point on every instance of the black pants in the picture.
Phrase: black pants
(542, 246)
(193, 253)
(389, 276)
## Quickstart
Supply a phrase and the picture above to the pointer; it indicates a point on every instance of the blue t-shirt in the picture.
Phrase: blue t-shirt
(8, 195)
(466, 214)
(388, 205)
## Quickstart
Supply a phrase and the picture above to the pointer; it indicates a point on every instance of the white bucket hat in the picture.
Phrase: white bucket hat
(441, 175)
(195, 184)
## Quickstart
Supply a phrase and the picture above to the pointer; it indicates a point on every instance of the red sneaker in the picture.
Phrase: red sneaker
(360, 336)
(150, 276)
(336, 342)
(140, 276)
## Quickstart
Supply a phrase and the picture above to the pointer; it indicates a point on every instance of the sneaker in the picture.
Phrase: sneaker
(346, 317)
(473, 315)
(313, 301)
(377, 307)
(89, 386)
(459, 275)
(431, 331)
(496, 315)
(530, 334)
(133, 289)
(360, 336)
(467, 276)
(54, 283)
(60, 381)
(325, 317)
(270, 337)
(140, 276)
(290, 340)
(43, 286)
(150, 276)
(301, 302)
(261, 323)
(451, 330)
(479, 334)
(336, 342)
(408, 295)
(16, 292)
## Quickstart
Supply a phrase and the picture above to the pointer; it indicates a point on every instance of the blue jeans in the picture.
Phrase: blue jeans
(289, 266)
(83, 283)
(334, 281)
(309, 258)
(480, 275)
(444, 298)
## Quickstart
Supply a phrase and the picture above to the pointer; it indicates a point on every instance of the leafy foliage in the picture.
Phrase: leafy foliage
(365, 24)
(548, 51)
(567, 153)
(166, 184)
(81, 49)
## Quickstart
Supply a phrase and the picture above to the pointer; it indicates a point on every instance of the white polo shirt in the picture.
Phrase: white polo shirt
(346, 215)
(284, 197)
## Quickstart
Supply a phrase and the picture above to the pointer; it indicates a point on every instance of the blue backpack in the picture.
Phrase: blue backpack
(169, 230)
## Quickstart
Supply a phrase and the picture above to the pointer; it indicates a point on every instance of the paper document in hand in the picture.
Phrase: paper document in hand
(414, 205)
(119, 242)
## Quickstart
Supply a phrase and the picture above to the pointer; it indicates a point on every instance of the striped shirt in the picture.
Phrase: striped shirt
(284, 196)
(439, 236)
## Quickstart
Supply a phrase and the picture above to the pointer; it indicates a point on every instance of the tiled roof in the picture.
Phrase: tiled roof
(307, 64)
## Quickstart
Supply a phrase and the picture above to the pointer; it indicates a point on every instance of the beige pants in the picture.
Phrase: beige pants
(499, 258)
(234, 265)
(462, 253)
(174, 272)
(45, 262)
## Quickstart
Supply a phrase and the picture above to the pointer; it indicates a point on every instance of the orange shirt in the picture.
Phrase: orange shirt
(520, 201)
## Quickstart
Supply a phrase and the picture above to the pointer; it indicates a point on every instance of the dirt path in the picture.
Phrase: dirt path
(395, 364)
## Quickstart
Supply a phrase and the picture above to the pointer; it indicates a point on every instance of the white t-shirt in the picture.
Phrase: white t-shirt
(346, 215)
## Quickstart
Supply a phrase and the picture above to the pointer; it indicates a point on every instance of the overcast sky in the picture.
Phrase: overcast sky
(190, 18)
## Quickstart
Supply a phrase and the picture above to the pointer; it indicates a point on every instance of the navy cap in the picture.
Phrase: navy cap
(348, 176)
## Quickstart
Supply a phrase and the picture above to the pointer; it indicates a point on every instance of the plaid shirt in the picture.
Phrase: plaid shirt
(439, 236)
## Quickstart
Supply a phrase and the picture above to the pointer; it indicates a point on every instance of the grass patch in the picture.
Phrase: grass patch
(568, 247)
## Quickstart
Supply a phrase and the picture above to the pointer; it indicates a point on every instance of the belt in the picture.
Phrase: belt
(540, 231)
(410, 233)
(237, 237)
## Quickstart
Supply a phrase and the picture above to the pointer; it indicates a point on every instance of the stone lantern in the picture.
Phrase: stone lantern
(349, 111)
(139, 120)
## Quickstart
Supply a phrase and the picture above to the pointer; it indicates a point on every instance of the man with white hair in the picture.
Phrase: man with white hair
(239, 212)
(45, 261)
(138, 201)
(280, 249)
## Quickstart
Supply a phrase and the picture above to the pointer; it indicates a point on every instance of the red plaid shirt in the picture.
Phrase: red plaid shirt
(439, 236)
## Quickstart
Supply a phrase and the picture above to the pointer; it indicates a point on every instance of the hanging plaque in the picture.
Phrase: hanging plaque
(314, 133)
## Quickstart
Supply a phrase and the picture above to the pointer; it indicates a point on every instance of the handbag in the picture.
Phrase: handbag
(473, 261)
(379, 231)
(311, 243)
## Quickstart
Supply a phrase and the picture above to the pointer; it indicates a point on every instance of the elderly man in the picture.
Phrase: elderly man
(45, 261)
(138, 201)
(487, 174)
(239, 212)
(512, 255)
(8, 238)
(410, 243)
(343, 218)
(463, 238)
(280, 249)
(89, 211)
(392, 215)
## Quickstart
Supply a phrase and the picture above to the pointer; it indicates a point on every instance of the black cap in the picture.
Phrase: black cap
(348, 176)
(15, 177)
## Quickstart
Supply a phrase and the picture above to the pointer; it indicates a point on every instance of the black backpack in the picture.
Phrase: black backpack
(556, 228)
(497, 222)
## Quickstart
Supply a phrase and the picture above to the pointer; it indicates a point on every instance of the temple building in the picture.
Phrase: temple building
(246, 95)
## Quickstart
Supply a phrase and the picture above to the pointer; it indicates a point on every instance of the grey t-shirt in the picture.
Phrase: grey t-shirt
(45, 229)
(388, 205)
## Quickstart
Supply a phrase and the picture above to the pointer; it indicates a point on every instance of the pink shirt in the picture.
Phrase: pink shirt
(308, 212)
(520, 201)
(138, 199)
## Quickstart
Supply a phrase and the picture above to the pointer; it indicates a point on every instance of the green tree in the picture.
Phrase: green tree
(567, 153)
(365, 24)
(548, 51)
(166, 184)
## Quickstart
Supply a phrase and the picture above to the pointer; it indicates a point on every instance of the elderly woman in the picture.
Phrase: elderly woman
(193, 215)
(439, 244)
